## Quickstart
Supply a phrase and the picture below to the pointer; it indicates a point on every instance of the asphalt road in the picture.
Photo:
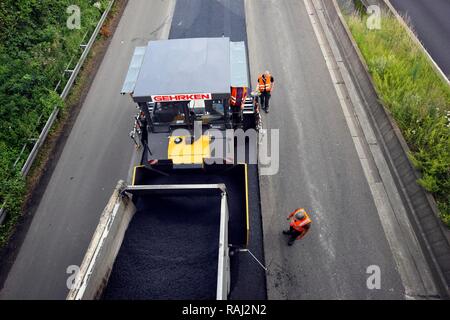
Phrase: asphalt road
(96, 155)
(431, 22)
(206, 18)
(319, 165)
(319, 170)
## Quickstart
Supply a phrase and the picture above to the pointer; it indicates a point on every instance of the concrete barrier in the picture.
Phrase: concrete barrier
(420, 205)
(105, 244)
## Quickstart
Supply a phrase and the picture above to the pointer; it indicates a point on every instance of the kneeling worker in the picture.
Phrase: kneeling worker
(299, 225)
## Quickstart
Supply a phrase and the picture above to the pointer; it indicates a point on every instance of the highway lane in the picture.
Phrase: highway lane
(96, 155)
(319, 170)
(431, 22)
(205, 18)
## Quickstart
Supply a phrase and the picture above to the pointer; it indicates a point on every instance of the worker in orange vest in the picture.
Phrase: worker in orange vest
(300, 223)
(265, 87)
(237, 100)
(238, 96)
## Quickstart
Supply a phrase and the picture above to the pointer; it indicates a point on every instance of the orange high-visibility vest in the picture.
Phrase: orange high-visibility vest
(238, 96)
(265, 83)
(301, 226)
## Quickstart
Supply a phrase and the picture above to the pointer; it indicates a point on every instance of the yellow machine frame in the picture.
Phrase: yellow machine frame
(181, 151)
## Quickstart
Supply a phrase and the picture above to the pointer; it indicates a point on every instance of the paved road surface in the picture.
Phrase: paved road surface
(319, 170)
(431, 21)
(319, 166)
(96, 155)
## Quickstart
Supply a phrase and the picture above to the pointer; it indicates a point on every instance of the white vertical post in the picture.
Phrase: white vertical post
(223, 267)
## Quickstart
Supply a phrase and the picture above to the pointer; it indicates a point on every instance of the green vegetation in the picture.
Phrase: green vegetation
(415, 95)
(35, 48)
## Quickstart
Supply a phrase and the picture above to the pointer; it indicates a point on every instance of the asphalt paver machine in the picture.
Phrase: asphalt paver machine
(169, 233)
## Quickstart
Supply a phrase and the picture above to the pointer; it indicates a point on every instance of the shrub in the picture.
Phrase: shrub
(416, 96)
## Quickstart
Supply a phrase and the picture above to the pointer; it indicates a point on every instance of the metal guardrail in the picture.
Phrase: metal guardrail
(43, 135)
(51, 120)
(2, 213)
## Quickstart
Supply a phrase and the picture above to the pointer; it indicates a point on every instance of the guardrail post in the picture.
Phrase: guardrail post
(26, 167)
(2, 213)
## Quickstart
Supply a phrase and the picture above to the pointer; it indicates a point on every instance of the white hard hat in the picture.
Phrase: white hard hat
(300, 215)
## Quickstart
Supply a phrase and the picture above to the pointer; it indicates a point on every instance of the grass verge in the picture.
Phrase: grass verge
(415, 95)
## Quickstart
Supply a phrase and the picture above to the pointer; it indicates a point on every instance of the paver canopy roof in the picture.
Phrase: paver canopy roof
(183, 66)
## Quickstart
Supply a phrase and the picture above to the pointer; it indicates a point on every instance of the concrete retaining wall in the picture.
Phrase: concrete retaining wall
(420, 205)
(105, 244)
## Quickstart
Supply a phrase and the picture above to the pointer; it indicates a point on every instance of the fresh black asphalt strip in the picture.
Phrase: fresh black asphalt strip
(169, 253)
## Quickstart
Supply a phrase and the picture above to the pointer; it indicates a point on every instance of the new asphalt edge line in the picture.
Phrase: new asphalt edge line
(409, 259)
(165, 31)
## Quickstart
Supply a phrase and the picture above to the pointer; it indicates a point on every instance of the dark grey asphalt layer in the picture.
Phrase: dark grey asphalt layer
(170, 250)
(96, 155)
(431, 21)
(232, 177)
(247, 277)
(319, 170)
(206, 18)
